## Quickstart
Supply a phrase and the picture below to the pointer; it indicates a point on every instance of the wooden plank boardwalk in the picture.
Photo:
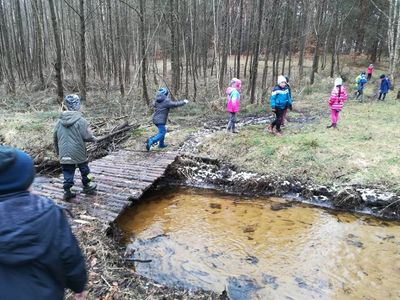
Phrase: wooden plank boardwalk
(122, 177)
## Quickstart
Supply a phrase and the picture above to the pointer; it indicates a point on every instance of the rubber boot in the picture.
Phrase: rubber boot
(68, 195)
(89, 188)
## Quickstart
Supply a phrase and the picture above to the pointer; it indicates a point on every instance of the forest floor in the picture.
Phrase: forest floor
(364, 150)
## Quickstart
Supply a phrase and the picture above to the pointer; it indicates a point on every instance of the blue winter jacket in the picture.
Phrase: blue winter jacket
(360, 83)
(280, 97)
(39, 256)
(385, 85)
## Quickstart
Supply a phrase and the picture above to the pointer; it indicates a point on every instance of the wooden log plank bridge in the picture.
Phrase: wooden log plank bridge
(122, 177)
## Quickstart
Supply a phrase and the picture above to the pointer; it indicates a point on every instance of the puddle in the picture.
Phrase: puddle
(260, 249)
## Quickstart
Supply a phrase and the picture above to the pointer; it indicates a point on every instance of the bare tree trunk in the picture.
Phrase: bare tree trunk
(317, 31)
(142, 29)
(58, 63)
(38, 41)
(393, 36)
(253, 75)
(174, 48)
(7, 50)
(302, 38)
(239, 40)
(224, 47)
(83, 49)
(22, 47)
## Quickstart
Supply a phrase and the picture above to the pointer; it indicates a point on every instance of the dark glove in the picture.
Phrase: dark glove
(290, 107)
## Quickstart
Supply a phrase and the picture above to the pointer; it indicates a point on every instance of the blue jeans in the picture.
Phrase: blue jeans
(69, 172)
(160, 136)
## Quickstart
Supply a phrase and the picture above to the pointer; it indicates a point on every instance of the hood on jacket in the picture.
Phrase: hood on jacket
(25, 233)
(160, 98)
(278, 87)
(69, 118)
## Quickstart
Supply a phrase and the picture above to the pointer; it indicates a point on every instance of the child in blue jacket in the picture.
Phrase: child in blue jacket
(384, 87)
(279, 100)
(361, 81)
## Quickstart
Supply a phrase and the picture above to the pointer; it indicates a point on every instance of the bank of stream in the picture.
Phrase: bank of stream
(261, 248)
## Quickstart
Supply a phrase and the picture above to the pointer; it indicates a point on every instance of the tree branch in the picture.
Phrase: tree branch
(71, 7)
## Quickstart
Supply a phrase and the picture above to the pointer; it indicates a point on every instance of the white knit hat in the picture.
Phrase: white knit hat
(281, 79)
(338, 81)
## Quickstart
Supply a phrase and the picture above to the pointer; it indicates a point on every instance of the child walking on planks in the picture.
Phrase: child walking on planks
(336, 101)
(233, 103)
(70, 136)
(162, 105)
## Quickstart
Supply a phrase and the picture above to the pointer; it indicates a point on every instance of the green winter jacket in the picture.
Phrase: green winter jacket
(70, 134)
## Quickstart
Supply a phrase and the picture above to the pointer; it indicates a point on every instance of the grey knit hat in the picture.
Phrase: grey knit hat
(73, 102)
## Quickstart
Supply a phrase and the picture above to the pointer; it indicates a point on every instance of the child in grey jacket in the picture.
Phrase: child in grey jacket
(70, 136)
(162, 105)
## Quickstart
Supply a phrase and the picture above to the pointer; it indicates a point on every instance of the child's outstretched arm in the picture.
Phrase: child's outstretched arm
(173, 104)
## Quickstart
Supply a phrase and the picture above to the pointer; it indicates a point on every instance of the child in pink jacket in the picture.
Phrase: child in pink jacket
(338, 97)
(233, 103)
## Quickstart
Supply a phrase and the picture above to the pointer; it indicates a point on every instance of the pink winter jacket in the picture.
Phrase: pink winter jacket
(232, 105)
(370, 70)
(336, 101)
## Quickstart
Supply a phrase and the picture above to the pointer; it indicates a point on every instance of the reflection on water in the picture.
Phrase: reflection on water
(197, 238)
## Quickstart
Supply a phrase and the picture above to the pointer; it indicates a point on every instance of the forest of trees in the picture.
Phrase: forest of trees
(129, 43)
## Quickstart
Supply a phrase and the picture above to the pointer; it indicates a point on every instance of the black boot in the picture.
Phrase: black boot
(68, 195)
(330, 126)
(89, 188)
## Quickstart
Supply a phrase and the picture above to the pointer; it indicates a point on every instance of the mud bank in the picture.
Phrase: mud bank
(212, 173)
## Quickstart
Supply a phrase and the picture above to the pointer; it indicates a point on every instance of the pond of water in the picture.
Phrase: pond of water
(201, 239)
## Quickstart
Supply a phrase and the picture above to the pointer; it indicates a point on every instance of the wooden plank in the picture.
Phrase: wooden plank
(126, 174)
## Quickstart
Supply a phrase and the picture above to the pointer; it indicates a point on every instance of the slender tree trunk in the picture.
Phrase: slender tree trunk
(239, 40)
(224, 47)
(142, 29)
(7, 50)
(253, 77)
(58, 63)
(38, 41)
(83, 49)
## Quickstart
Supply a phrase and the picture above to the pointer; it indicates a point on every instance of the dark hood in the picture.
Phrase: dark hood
(25, 233)
(69, 118)
(160, 98)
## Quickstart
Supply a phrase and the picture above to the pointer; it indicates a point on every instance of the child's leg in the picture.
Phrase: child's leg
(161, 144)
(384, 95)
(85, 173)
(333, 116)
(274, 122)
(336, 113)
(284, 117)
(229, 127)
(233, 121)
(68, 173)
(279, 116)
(160, 136)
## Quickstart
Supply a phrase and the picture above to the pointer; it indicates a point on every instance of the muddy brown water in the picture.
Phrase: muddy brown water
(201, 239)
